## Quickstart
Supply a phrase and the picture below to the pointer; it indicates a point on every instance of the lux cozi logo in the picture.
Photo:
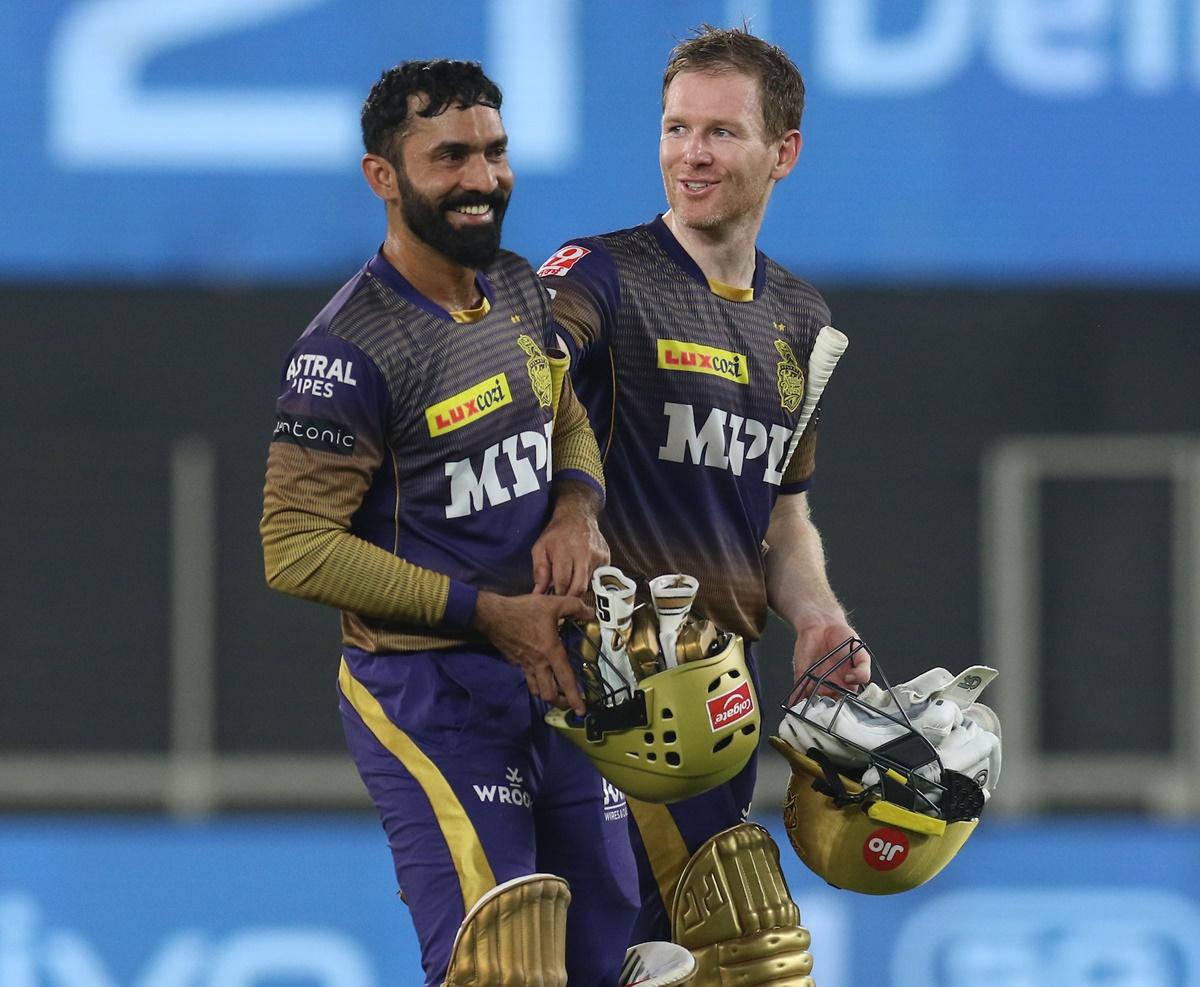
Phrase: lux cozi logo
(676, 355)
(468, 405)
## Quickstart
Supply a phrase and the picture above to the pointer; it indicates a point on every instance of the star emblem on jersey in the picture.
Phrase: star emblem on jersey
(539, 369)
(780, 326)
(789, 376)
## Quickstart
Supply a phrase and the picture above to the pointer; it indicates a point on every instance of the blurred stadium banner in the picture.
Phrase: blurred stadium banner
(1021, 140)
(311, 902)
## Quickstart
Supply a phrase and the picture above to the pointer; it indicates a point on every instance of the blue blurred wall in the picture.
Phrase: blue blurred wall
(1023, 140)
(310, 903)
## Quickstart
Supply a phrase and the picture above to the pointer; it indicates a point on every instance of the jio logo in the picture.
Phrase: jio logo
(885, 849)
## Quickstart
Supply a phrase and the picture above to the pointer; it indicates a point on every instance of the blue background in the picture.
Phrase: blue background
(310, 903)
(1061, 148)
(1066, 155)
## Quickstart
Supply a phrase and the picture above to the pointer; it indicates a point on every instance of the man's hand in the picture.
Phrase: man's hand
(571, 546)
(814, 641)
(525, 630)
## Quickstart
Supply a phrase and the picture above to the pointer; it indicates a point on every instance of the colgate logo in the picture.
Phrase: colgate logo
(885, 849)
(730, 708)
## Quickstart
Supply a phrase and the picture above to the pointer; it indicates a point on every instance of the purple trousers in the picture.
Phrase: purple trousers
(473, 789)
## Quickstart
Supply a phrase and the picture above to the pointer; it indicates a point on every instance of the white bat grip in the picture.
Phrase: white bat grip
(827, 350)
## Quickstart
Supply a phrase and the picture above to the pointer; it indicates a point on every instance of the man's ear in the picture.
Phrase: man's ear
(787, 153)
(380, 174)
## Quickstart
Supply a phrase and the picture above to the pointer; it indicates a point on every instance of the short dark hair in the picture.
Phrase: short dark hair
(780, 84)
(443, 81)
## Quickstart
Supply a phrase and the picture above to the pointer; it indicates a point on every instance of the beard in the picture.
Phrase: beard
(474, 246)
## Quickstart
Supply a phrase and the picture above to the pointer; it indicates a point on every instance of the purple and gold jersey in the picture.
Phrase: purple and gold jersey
(413, 454)
(693, 390)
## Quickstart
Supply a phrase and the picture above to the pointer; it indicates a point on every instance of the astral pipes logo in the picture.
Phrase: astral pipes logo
(730, 708)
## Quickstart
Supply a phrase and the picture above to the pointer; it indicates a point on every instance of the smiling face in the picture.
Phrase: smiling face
(717, 163)
(453, 182)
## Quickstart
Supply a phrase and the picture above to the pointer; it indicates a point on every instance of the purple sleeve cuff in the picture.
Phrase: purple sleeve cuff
(795, 488)
(582, 477)
(460, 606)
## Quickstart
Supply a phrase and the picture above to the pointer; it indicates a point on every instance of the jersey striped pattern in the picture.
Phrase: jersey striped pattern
(693, 397)
(413, 455)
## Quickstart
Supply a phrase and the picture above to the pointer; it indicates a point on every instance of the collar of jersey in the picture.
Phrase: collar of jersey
(666, 239)
(382, 268)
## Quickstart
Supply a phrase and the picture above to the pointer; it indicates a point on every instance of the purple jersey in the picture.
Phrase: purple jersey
(413, 454)
(694, 390)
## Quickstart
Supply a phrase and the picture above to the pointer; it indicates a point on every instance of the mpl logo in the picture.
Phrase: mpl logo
(730, 708)
(885, 849)
(514, 467)
(725, 441)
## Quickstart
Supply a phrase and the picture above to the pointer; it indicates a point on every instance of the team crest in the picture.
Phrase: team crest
(789, 376)
(539, 370)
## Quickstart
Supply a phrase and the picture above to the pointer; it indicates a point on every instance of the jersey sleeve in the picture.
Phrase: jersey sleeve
(576, 453)
(585, 296)
(328, 443)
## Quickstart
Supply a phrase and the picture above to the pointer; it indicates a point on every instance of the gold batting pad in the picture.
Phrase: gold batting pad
(514, 936)
(733, 910)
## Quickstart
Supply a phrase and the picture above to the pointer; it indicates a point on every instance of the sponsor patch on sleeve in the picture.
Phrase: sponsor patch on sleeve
(730, 707)
(318, 375)
(566, 258)
(320, 434)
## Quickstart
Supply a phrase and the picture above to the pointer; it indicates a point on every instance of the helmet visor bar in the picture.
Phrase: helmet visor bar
(909, 768)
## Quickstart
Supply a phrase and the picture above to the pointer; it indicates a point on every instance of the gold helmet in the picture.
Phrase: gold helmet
(899, 817)
(682, 727)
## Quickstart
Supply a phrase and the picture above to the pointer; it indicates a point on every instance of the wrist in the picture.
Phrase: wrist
(811, 617)
(576, 497)
(485, 610)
